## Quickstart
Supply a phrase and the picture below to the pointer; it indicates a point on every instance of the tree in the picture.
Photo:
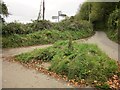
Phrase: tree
(3, 11)
(83, 13)
(113, 20)
(97, 12)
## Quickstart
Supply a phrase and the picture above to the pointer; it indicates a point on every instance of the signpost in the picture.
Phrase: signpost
(54, 17)
(63, 15)
(59, 14)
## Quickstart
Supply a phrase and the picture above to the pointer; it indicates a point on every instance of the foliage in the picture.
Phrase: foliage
(3, 11)
(46, 54)
(85, 61)
(114, 26)
(113, 35)
(40, 25)
(13, 28)
(104, 87)
(84, 10)
(97, 12)
(20, 28)
(72, 24)
(114, 19)
(103, 15)
(42, 37)
(25, 57)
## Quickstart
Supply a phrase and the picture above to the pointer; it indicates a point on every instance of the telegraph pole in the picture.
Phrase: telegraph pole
(43, 9)
(41, 14)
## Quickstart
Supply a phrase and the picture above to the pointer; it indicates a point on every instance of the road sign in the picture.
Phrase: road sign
(63, 15)
(54, 17)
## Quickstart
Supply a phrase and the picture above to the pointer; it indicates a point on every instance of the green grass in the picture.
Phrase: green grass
(42, 37)
(83, 61)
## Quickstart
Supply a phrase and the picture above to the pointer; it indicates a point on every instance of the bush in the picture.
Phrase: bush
(74, 25)
(114, 19)
(42, 37)
(38, 25)
(114, 26)
(13, 28)
(19, 28)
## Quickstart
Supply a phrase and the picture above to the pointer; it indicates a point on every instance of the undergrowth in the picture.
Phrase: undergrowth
(42, 37)
(83, 62)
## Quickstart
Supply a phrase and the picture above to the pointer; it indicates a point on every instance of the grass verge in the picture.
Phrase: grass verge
(83, 63)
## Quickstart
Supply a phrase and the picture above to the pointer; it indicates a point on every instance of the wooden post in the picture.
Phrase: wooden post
(43, 9)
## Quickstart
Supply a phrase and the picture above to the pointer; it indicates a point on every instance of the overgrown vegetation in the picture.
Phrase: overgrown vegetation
(114, 26)
(20, 28)
(79, 62)
(42, 37)
(43, 32)
(83, 62)
(103, 16)
(3, 11)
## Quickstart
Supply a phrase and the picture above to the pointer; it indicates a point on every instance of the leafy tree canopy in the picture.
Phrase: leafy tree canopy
(3, 11)
(97, 12)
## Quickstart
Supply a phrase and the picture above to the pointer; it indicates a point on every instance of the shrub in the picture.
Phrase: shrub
(40, 25)
(42, 37)
(74, 25)
(19, 28)
(114, 19)
(13, 28)
(78, 25)
(114, 25)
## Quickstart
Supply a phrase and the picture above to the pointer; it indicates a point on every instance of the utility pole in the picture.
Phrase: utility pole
(43, 9)
(41, 14)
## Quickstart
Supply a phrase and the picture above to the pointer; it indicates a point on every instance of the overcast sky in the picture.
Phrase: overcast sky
(25, 10)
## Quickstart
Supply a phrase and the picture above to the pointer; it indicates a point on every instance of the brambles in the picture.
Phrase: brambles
(74, 25)
(20, 28)
(42, 37)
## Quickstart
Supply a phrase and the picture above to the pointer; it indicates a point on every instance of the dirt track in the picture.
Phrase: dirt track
(15, 75)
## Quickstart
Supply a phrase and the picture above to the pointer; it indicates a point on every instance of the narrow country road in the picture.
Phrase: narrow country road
(105, 44)
(15, 75)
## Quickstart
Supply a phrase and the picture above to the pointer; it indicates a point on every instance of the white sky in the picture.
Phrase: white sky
(27, 10)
